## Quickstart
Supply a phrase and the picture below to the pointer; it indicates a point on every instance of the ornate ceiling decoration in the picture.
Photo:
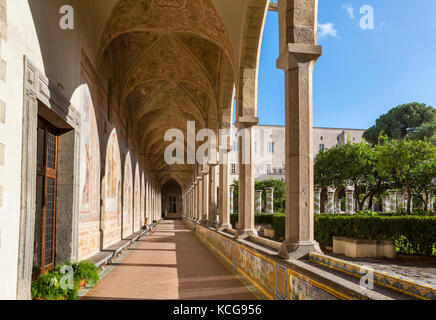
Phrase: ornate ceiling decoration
(171, 62)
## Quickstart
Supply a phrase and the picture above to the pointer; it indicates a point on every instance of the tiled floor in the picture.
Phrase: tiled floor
(171, 264)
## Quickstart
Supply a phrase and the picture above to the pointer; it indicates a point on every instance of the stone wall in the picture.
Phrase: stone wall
(272, 277)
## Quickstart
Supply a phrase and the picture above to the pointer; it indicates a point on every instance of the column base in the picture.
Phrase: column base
(242, 234)
(298, 250)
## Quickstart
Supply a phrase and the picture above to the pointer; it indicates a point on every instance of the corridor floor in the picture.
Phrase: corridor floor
(171, 264)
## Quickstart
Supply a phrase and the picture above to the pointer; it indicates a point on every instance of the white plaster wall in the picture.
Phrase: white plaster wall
(64, 59)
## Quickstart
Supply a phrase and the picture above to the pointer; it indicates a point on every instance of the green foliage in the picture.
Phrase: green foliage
(408, 163)
(408, 121)
(412, 234)
(279, 192)
(259, 218)
(47, 287)
(84, 270)
(279, 225)
(349, 164)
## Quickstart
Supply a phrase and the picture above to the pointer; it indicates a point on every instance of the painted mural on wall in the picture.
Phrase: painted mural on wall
(142, 199)
(300, 289)
(261, 270)
(111, 216)
(89, 235)
(128, 198)
(137, 201)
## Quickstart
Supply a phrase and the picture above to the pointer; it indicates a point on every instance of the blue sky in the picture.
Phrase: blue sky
(362, 73)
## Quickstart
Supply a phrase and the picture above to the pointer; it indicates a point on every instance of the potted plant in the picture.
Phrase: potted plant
(48, 287)
(85, 273)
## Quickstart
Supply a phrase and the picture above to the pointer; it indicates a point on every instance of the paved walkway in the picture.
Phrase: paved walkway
(171, 264)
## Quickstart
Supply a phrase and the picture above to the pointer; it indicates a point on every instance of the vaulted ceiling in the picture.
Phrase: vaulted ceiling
(171, 61)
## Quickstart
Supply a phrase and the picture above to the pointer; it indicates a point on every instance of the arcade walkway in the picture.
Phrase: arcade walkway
(171, 264)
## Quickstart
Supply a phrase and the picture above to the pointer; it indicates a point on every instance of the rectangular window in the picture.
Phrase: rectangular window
(268, 169)
(321, 147)
(271, 147)
(233, 168)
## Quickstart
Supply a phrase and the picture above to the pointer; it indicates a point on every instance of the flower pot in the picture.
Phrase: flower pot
(82, 284)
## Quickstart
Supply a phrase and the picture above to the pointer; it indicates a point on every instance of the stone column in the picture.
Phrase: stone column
(385, 203)
(392, 200)
(317, 200)
(269, 200)
(400, 200)
(338, 206)
(212, 196)
(232, 189)
(199, 198)
(331, 200)
(205, 210)
(246, 176)
(195, 201)
(258, 201)
(349, 204)
(224, 201)
(298, 53)
(431, 204)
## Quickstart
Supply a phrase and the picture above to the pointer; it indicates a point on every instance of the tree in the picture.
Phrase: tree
(349, 164)
(407, 121)
(411, 164)
(279, 191)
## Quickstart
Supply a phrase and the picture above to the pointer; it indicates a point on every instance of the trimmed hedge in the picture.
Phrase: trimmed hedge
(412, 234)
(259, 218)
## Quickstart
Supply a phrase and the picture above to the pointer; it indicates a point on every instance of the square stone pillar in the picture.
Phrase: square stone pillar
(199, 198)
(298, 54)
(246, 177)
(205, 208)
(212, 196)
(224, 194)
(258, 201)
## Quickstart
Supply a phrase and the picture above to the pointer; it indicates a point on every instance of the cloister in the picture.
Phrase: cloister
(82, 145)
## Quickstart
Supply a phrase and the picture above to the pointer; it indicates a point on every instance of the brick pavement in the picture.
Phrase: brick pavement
(171, 264)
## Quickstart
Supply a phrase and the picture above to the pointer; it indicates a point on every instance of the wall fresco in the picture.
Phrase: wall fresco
(89, 216)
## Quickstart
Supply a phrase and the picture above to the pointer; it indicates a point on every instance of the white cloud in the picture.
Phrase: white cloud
(350, 10)
(327, 29)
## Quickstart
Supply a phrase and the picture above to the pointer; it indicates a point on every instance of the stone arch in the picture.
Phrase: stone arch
(170, 62)
(89, 205)
(249, 59)
(127, 225)
(111, 216)
(137, 200)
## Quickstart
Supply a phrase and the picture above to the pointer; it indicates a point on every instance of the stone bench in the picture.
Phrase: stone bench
(358, 248)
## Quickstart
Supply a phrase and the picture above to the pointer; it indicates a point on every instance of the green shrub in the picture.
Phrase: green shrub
(412, 234)
(48, 287)
(259, 218)
(279, 225)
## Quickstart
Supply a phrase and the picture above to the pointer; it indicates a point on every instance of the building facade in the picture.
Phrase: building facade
(269, 148)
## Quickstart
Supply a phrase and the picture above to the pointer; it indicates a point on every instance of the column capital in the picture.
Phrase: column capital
(247, 121)
(296, 53)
